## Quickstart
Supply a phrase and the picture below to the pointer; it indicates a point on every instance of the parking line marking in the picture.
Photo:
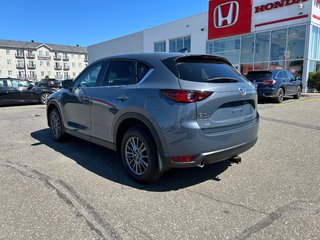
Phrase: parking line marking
(291, 103)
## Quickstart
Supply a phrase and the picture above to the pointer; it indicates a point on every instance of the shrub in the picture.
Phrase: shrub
(314, 80)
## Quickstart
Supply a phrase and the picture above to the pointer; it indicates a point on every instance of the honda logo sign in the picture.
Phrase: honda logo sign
(226, 14)
(229, 18)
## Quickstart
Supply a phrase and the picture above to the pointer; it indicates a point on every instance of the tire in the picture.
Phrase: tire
(139, 155)
(280, 95)
(56, 125)
(44, 98)
(298, 95)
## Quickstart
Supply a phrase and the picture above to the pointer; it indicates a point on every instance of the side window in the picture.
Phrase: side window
(290, 76)
(1, 83)
(142, 70)
(120, 73)
(90, 77)
(281, 75)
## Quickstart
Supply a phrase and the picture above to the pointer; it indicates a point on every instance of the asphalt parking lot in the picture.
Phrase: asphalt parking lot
(77, 190)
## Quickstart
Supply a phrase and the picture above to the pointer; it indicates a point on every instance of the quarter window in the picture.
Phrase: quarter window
(142, 70)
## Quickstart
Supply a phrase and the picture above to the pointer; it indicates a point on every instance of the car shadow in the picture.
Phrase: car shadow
(106, 164)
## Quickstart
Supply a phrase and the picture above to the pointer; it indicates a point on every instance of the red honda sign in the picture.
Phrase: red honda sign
(229, 18)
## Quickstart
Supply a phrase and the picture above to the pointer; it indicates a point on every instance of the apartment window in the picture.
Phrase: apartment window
(21, 74)
(74, 74)
(7, 51)
(47, 53)
(40, 53)
(49, 73)
(41, 63)
(42, 74)
(66, 75)
(178, 44)
(9, 73)
(19, 52)
(160, 46)
(8, 62)
(73, 65)
(48, 64)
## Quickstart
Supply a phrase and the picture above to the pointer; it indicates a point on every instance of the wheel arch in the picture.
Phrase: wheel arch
(129, 120)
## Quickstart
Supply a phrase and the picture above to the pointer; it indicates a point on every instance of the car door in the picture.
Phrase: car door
(27, 92)
(114, 94)
(76, 102)
(292, 80)
(8, 93)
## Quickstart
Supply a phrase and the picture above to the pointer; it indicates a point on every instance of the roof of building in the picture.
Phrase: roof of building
(36, 45)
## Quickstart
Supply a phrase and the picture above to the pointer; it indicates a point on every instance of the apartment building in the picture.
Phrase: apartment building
(35, 61)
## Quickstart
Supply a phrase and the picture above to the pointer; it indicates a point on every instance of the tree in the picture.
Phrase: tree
(314, 80)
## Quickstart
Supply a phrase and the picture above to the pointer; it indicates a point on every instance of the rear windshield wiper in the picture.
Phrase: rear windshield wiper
(223, 80)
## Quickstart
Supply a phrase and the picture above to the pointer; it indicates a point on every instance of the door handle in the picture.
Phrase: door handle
(123, 98)
(84, 99)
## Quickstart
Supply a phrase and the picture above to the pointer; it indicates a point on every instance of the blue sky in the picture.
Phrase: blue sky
(83, 22)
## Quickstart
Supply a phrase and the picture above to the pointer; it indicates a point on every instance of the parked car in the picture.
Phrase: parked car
(276, 84)
(159, 111)
(16, 91)
(50, 82)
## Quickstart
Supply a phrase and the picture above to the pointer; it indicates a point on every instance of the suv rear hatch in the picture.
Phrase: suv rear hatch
(232, 103)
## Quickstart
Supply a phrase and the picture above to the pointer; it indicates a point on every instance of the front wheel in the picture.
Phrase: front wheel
(139, 155)
(44, 98)
(298, 94)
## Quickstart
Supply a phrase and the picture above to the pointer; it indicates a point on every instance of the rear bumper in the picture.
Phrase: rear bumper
(212, 148)
(217, 156)
(267, 92)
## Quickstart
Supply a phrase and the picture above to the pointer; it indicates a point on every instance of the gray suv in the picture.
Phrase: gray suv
(159, 111)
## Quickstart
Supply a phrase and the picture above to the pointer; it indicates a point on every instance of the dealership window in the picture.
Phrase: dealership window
(315, 38)
(278, 44)
(262, 47)
(296, 42)
(160, 46)
(178, 44)
(228, 48)
(247, 49)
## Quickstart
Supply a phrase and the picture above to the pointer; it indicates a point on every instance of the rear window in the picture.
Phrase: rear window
(204, 70)
(259, 75)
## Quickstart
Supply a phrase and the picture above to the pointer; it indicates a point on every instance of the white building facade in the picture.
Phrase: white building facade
(253, 35)
(35, 61)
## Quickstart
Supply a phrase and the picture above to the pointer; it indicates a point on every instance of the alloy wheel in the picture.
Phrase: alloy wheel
(136, 155)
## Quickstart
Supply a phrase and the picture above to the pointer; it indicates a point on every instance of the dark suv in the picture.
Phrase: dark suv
(275, 84)
(49, 82)
(159, 110)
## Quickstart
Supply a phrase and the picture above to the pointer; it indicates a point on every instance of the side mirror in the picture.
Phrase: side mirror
(67, 84)
(31, 86)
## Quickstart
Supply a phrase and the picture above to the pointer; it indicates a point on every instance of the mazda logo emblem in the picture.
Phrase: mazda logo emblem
(242, 91)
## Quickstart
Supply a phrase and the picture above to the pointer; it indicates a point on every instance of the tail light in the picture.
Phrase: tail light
(269, 82)
(185, 96)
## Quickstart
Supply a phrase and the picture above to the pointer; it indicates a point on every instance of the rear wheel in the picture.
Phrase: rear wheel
(298, 94)
(139, 155)
(280, 96)
(44, 98)
(56, 125)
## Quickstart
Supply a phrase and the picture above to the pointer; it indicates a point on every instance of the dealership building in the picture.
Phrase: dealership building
(253, 35)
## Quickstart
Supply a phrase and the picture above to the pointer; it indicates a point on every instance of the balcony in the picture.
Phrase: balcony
(57, 57)
(66, 68)
(20, 76)
(30, 55)
(65, 58)
(57, 67)
(86, 59)
(31, 66)
(19, 55)
(44, 57)
(20, 66)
